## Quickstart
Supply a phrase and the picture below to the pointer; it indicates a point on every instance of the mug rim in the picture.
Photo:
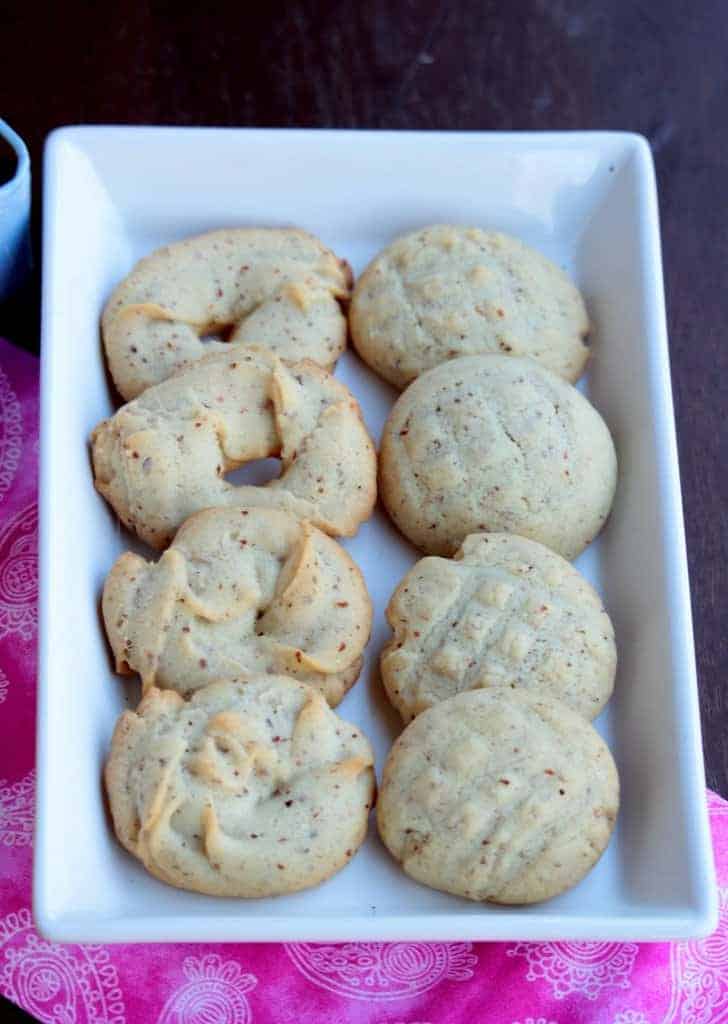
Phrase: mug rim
(22, 156)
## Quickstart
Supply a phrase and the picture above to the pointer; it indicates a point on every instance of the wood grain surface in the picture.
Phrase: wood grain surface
(660, 68)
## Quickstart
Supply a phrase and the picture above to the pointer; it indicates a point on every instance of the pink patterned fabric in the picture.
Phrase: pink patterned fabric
(296, 983)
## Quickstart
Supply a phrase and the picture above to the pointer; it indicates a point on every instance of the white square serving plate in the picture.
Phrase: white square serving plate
(588, 201)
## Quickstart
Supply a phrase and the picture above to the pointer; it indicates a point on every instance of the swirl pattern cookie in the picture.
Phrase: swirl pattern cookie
(505, 611)
(248, 789)
(498, 795)
(448, 291)
(240, 592)
(165, 455)
(495, 443)
(278, 288)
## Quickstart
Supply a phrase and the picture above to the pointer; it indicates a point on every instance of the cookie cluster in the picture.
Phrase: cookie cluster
(234, 776)
(496, 467)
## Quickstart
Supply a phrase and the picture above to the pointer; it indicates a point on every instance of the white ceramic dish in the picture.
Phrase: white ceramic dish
(588, 200)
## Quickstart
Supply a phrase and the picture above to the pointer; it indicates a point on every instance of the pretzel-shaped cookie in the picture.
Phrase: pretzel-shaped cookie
(240, 591)
(251, 788)
(279, 288)
(164, 456)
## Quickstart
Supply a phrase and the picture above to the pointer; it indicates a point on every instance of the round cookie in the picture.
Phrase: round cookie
(498, 795)
(495, 443)
(505, 611)
(249, 789)
(165, 455)
(278, 288)
(240, 592)
(446, 291)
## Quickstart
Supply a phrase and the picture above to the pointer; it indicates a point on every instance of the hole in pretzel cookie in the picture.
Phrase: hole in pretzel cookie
(257, 472)
(218, 332)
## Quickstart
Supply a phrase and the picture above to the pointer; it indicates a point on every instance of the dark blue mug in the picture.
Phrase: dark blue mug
(15, 258)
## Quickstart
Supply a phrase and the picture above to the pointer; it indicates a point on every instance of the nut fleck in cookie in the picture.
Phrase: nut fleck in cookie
(446, 291)
(496, 443)
(278, 288)
(505, 611)
(165, 455)
(248, 789)
(498, 795)
(240, 592)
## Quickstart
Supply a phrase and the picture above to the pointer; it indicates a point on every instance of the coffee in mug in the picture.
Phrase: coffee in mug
(8, 161)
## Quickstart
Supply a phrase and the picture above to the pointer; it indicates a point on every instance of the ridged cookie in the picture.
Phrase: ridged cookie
(249, 789)
(495, 443)
(240, 592)
(165, 455)
(498, 795)
(446, 291)
(278, 288)
(505, 611)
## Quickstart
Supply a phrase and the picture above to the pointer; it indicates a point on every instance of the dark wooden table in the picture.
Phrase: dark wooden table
(658, 67)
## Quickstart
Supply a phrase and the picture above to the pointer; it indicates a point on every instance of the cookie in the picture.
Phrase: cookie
(505, 611)
(498, 795)
(165, 455)
(447, 291)
(495, 443)
(248, 789)
(240, 592)
(278, 288)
